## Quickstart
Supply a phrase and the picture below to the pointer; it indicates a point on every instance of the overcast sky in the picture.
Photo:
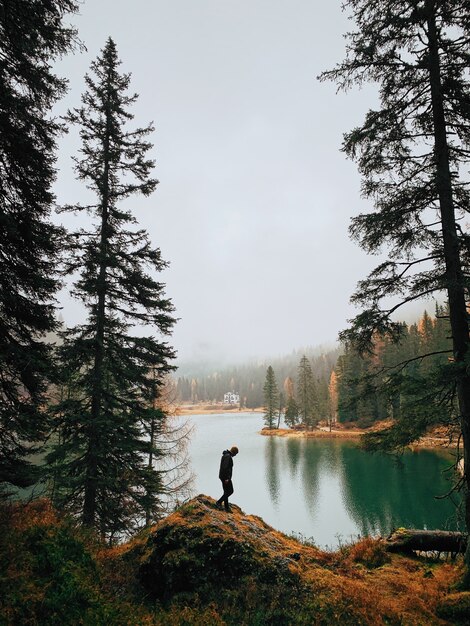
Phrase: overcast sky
(255, 197)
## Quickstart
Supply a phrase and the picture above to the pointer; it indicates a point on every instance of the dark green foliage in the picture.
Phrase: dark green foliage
(291, 416)
(111, 374)
(397, 382)
(455, 608)
(51, 573)
(399, 155)
(32, 36)
(307, 394)
(413, 153)
(271, 399)
(51, 579)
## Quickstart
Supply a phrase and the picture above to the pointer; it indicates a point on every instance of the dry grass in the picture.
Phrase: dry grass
(359, 584)
(312, 434)
(281, 580)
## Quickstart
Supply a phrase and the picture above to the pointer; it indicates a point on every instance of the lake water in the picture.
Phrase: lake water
(328, 490)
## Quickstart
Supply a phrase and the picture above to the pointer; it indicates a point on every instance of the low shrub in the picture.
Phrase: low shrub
(370, 552)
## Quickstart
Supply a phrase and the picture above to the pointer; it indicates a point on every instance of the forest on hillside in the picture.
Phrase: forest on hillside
(347, 386)
(247, 380)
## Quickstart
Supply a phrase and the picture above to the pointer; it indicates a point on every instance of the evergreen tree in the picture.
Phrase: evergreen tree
(307, 394)
(347, 386)
(32, 37)
(413, 153)
(271, 398)
(109, 422)
(291, 416)
(386, 384)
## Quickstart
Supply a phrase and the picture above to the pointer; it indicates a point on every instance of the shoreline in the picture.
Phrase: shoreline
(312, 434)
(186, 410)
(433, 440)
(429, 441)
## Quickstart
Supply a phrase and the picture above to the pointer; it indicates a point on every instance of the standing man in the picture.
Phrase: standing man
(225, 475)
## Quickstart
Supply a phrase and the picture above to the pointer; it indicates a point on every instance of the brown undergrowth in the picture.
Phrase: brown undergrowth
(202, 566)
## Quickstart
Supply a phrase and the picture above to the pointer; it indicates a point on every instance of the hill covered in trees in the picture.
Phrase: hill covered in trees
(248, 379)
(346, 386)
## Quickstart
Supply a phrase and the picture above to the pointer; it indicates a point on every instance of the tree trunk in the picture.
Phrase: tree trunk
(454, 275)
(90, 489)
(407, 540)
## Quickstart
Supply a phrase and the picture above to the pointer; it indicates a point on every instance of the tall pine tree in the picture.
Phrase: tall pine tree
(271, 399)
(109, 421)
(32, 36)
(307, 398)
(413, 153)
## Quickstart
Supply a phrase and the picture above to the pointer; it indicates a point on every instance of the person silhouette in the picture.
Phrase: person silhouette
(225, 475)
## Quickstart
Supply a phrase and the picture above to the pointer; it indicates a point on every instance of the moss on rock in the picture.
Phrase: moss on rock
(200, 546)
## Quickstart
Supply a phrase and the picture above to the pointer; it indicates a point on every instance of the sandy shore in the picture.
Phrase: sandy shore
(315, 434)
(209, 410)
(430, 441)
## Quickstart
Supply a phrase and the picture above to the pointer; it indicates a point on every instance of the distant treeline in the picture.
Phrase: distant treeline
(248, 380)
(349, 387)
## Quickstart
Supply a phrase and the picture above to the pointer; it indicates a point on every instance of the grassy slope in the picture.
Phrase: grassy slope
(201, 566)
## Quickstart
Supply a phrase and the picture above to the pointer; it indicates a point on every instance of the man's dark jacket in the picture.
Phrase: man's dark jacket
(226, 464)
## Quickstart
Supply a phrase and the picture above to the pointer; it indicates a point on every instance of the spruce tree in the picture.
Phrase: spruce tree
(109, 422)
(32, 37)
(271, 398)
(291, 416)
(413, 153)
(307, 398)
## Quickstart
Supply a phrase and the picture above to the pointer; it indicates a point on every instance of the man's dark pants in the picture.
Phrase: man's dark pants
(228, 490)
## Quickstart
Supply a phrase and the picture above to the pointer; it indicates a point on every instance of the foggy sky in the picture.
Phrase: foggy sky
(255, 197)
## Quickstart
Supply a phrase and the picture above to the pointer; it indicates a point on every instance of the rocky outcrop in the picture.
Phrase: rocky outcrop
(202, 558)
(200, 545)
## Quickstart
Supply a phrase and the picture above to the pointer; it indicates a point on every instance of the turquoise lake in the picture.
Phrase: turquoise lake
(327, 490)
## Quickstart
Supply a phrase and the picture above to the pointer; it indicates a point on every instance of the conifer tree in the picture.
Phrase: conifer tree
(291, 416)
(413, 153)
(271, 398)
(109, 423)
(32, 37)
(307, 394)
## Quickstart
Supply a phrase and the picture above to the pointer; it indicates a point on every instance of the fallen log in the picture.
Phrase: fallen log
(410, 539)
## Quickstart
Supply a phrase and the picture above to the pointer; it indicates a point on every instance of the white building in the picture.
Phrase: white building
(231, 398)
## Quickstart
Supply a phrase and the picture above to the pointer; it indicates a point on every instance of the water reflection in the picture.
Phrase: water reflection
(321, 488)
(310, 471)
(293, 455)
(377, 492)
(272, 469)
(381, 493)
